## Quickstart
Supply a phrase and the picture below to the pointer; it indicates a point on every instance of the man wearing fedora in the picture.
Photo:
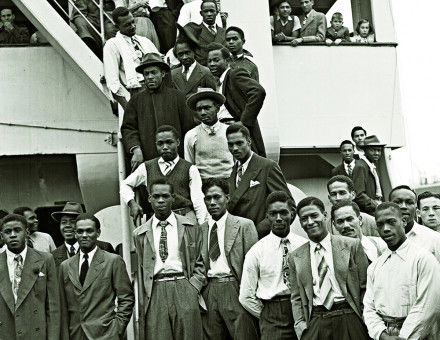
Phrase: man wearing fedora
(206, 145)
(66, 218)
(147, 110)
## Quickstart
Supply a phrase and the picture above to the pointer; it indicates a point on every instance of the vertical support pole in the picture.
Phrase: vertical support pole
(101, 21)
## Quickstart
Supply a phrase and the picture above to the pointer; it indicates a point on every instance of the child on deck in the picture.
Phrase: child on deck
(364, 33)
(337, 32)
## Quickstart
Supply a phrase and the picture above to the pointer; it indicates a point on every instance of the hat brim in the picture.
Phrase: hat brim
(162, 65)
(372, 144)
(193, 99)
(57, 214)
(188, 35)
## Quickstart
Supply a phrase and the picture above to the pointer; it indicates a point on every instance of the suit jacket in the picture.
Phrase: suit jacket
(205, 37)
(314, 29)
(90, 308)
(261, 177)
(343, 34)
(60, 254)
(36, 313)
(200, 77)
(190, 247)
(244, 100)
(240, 236)
(364, 185)
(350, 263)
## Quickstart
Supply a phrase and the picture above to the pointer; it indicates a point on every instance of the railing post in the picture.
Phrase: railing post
(101, 20)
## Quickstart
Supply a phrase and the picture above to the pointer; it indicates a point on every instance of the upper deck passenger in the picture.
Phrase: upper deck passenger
(313, 24)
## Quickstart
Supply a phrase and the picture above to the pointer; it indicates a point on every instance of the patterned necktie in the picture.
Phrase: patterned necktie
(214, 248)
(325, 285)
(84, 269)
(72, 251)
(349, 170)
(377, 180)
(239, 175)
(285, 268)
(137, 48)
(168, 166)
(211, 130)
(18, 268)
(212, 29)
(305, 20)
(185, 73)
(163, 247)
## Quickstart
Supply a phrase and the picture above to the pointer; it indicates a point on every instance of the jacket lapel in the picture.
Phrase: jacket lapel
(61, 254)
(305, 272)
(194, 78)
(251, 172)
(231, 230)
(178, 79)
(5, 283)
(31, 267)
(96, 267)
(205, 250)
(309, 19)
(224, 84)
(73, 271)
(341, 258)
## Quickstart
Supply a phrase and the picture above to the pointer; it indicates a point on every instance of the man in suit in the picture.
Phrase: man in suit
(91, 282)
(207, 32)
(341, 188)
(226, 240)
(265, 288)
(188, 77)
(29, 298)
(313, 24)
(347, 219)
(244, 95)
(363, 179)
(252, 179)
(171, 270)
(328, 276)
(66, 218)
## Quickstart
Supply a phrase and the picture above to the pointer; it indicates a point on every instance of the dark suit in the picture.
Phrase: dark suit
(151, 311)
(262, 177)
(364, 185)
(350, 266)
(60, 254)
(244, 100)
(315, 27)
(200, 77)
(88, 310)
(36, 313)
(205, 37)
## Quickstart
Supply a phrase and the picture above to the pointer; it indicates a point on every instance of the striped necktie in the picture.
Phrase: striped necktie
(163, 246)
(285, 267)
(168, 167)
(212, 29)
(18, 268)
(214, 248)
(325, 285)
(349, 170)
(72, 251)
(239, 175)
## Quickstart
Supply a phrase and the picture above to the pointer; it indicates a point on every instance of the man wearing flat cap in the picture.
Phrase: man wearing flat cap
(66, 218)
(206, 145)
(147, 110)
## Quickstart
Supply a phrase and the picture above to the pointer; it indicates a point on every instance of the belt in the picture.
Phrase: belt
(182, 211)
(338, 308)
(278, 298)
(394, 322)
(228, 120)
(168, 277)
(222, 279)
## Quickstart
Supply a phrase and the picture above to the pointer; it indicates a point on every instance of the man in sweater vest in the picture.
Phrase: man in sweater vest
(185, 178)
(206, 145)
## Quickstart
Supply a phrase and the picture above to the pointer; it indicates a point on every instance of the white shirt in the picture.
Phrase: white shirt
(42, 241)
(375, 175)
(91, 254)
(157, 4)
(402, 283)
(296, 22)
(173, 263)
(327, 251)
(190, 12)
(223, 112)
(11, 266)
(262, 277)
(219, 267)
(245, 164)
(352, 164)
(425, 238)
(373, 249)
(3, 248)
(190, 70)
(75, 246)
(210, 27)
(139, 176)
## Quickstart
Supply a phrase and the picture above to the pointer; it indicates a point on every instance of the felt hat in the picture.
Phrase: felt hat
(204, 93)
(71, 208)
(152, 59)
(372, 141)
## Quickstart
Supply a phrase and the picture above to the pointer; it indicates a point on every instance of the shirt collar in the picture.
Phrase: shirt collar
(352, 164)
(402, 251)
(190, 68)
(325, 243)
(10, 255)
(208, 128)
(75, 246)
(171, 220)
(415, 230)
(207, 26)
(246, 164)
(174, 161)
(220, 222)
(91, 253)
(289, 18)
(277, 240)
(222, 77)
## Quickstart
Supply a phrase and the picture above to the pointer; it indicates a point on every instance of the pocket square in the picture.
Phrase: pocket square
(253, 183)
(40, 274)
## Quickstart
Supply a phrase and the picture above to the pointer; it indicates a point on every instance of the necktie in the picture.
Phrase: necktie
(137, 48)
(305, 20)
(163, 248)
(72, 251)
(211, 130)
(376, 179)
(18, 261)
(349, 169)
(84, 269)
(285, 268)
(185, 73)
(239, 175)
(168, 166)
(214, 248)
(325, 285)
(212, 29)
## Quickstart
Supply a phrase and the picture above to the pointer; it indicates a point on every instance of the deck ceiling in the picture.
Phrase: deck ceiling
(320, 5)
